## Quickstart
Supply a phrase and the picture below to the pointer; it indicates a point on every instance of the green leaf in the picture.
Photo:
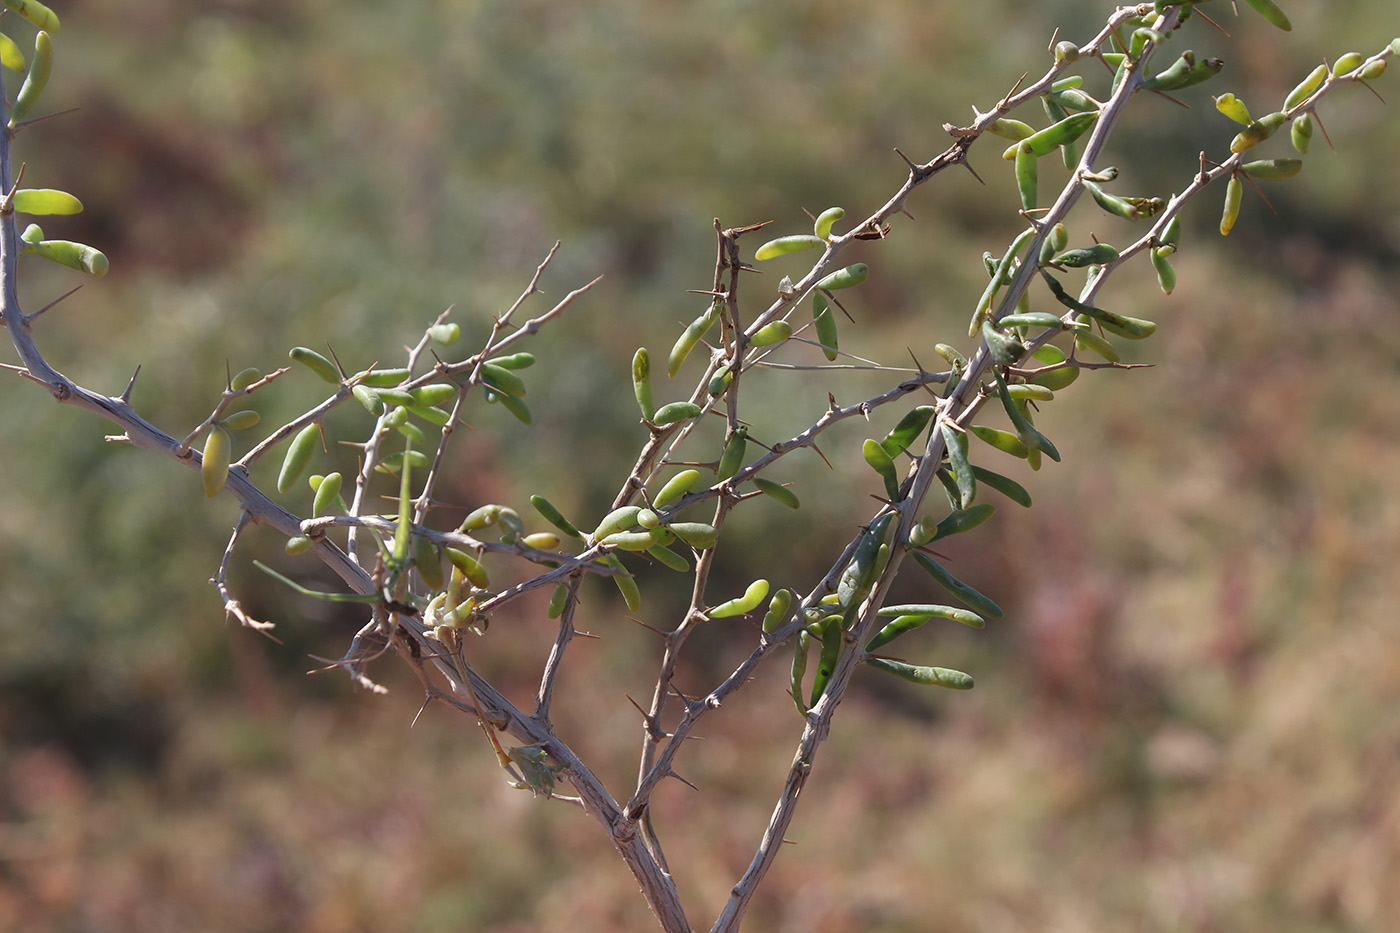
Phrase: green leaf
(315, 362)
(78, 256)
(907, 430)
(675, 487)
(788, 244)
(825, 323)
(1309, 84)
(1006, 486)
(1045, 141)
(672, 412)
(36, 13)
(741, 605)
(403, 532)
(929, 676)
(689, 338)
(849, 277)
(1004, 441)
(1235, 109)
(502, 380)
(1026, 176)
(824, 222)
(1270, 11)
(859, 575)
(826, 658)
(732, 457)
(298, 456)
(934, 611)
(1273, 168)
(537, 774)
(521, 360)
(10, 55)
(956, 444)
(970, 597)
(881, 463)
(801, 648)
(960, 520)
(46, 201)
(641, 383)
(554, 516)
(445, 334)
(771, 333)
(1032, 438)
(777, 491)
(214, 465)
(1088, 340)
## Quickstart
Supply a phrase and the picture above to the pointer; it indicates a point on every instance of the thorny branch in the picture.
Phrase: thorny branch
(440, 659)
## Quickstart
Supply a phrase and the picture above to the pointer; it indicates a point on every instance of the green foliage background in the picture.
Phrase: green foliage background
(1190, 719)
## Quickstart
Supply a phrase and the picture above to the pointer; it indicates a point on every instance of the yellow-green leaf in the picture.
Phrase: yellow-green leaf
(214, 467)
(1270, 11)
(36, 13)
(788, 244)
(46, 201)
(35, 80)
(78, 256)
(10, 55)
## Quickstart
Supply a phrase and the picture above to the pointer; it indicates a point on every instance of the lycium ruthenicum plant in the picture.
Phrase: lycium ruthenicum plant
(428, 591)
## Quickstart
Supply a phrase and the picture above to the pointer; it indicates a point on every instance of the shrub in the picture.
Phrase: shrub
(430, 589)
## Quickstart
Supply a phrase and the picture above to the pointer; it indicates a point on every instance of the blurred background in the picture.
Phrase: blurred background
(1188, 720)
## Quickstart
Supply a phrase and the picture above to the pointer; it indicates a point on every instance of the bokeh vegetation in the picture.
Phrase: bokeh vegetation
(1190, 719)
